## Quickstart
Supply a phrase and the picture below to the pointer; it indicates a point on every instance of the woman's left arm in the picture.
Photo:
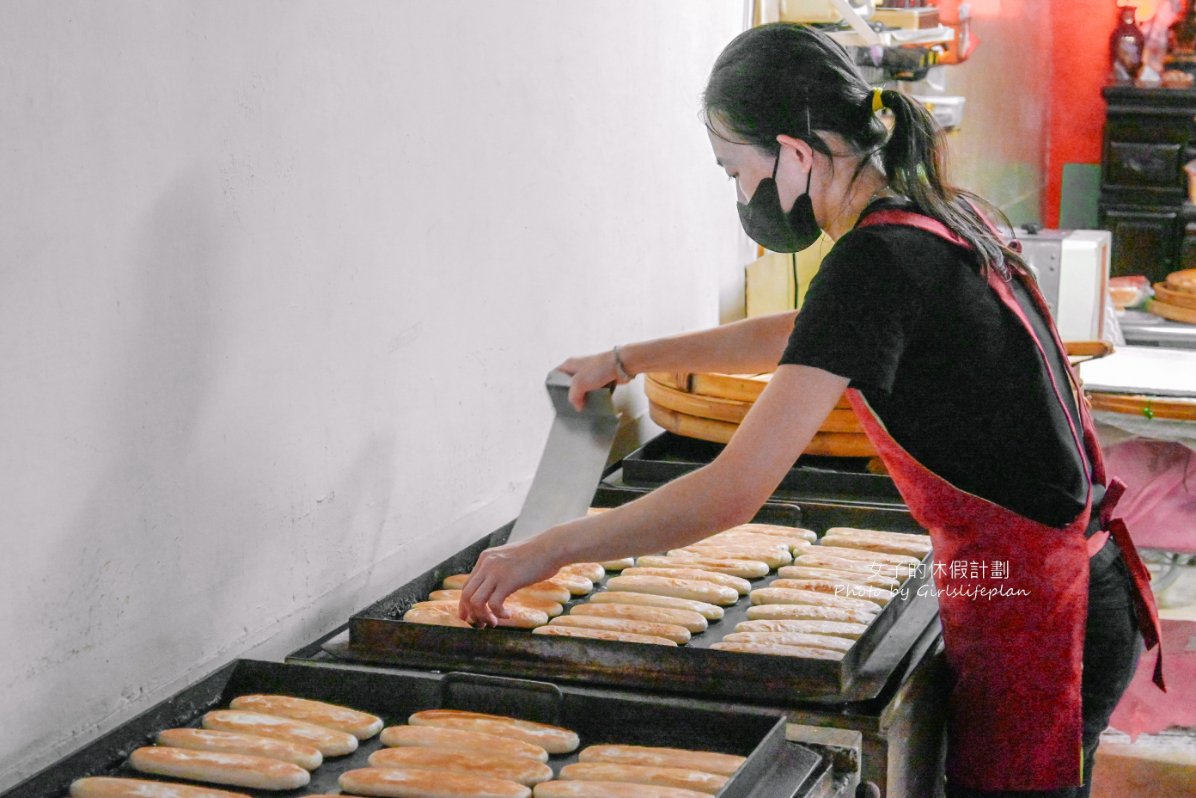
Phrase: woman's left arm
(725, 493)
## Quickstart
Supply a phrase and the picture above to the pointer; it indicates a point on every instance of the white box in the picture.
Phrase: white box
(1072, 269)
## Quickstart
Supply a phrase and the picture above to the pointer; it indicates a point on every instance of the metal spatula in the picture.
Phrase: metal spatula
(574, 456)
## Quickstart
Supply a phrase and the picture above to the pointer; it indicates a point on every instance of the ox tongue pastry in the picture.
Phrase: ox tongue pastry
(408, 782)
(553, 739)
(460, 740)
(524, 770)
(110, 787)
(240, 770)
(361, 725)
(305, 756)
(330, 742)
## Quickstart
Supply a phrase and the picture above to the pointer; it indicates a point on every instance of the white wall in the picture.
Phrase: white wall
(279, 285)
(1000, 151)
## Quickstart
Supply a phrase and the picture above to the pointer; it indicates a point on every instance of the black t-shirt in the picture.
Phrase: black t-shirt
(948, 368)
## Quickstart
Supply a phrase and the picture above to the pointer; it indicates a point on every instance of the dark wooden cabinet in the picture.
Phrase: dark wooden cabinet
(1143, 241)
(1149, 135)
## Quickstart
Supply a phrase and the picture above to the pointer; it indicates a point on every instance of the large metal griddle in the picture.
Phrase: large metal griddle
(378, 636)
(775, 768)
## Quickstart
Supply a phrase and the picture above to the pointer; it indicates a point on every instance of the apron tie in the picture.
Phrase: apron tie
(1148, 615)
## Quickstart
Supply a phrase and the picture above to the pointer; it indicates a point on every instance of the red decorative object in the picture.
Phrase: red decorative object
(1125, 46)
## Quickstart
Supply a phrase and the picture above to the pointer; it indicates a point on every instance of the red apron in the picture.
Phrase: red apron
(1016, 651)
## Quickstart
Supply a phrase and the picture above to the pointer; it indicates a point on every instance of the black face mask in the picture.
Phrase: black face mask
(772, 228)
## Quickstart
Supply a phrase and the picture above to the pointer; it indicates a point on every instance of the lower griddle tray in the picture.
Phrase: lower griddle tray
(774, 769)
(377, 635)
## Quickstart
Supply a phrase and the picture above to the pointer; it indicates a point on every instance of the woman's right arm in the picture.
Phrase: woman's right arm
(750, 346)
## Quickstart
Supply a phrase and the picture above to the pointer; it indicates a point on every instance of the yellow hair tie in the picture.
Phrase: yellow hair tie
(877, 102)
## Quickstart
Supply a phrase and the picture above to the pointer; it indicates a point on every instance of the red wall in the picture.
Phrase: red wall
(1079, 63)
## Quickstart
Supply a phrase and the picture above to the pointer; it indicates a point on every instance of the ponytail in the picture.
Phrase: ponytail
(915, 162)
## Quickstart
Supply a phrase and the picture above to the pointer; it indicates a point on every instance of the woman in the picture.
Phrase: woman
(956, 374)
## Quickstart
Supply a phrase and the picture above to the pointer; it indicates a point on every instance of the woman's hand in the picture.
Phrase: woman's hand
(499, 573)
(589, 373)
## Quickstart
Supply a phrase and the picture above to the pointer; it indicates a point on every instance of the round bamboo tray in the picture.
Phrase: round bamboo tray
(711, 406)
(1172, 312)
(1173, 297)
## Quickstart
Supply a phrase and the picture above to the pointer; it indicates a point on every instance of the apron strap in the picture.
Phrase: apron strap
(912, 219)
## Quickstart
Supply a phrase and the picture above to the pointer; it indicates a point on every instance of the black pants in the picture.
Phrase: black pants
(1112, 646)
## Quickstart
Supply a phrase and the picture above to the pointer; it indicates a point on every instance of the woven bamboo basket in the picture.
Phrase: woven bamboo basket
(711, 406)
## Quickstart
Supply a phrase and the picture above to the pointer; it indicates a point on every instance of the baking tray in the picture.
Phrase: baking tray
(377, 635)
(824, 479)
(774, 767)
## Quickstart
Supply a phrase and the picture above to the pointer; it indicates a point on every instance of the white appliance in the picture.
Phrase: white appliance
(1072, 269)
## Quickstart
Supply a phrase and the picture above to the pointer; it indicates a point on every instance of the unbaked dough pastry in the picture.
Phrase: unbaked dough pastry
(864, 555)
(779, 595)
(878, 595)
(793, 544)
(671, 586)
(772, 557)
(736, 583)
(747, 569)
(601, 634)
(774, 649)
(811, 612)
(711, 612)
(792, 639)
(694, 622)
(885, 570)
(848, 631)
(800, 571)
(776, 529)
(670, 631)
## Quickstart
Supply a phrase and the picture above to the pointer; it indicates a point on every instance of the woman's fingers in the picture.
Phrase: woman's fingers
(577, 396)
(577, 389)
(472, 606)
(496, 602)
(498, 573)
(484, 595)
(589, 373)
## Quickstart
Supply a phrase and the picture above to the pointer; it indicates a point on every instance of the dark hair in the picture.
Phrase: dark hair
(792, 79)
